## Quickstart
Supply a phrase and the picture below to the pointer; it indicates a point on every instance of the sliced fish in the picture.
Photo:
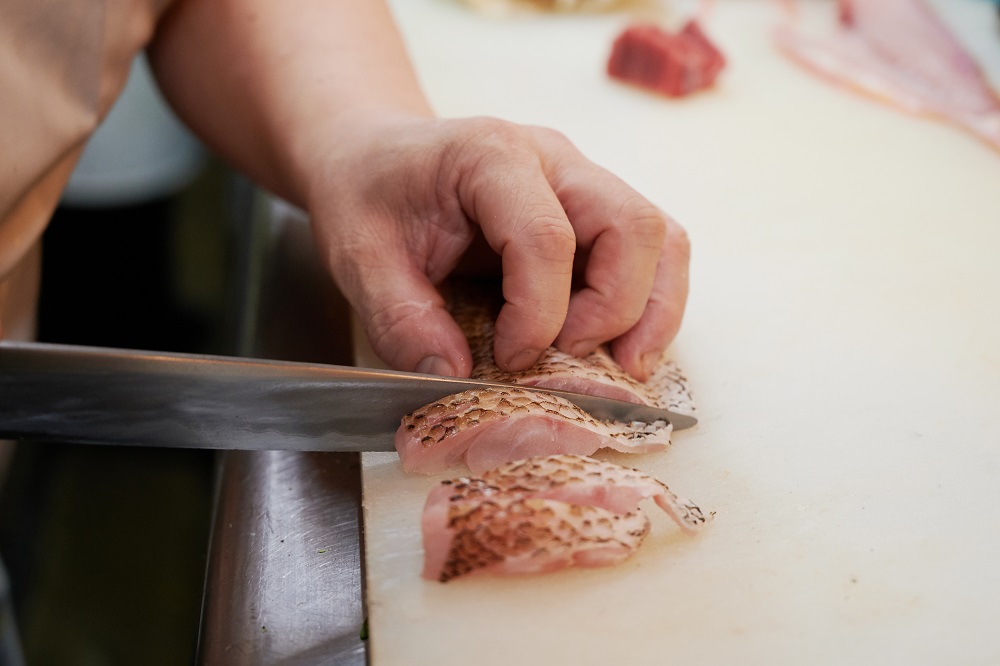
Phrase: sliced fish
(543, 514)
(901, 53)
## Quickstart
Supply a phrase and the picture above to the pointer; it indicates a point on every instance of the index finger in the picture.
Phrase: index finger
(508, 195)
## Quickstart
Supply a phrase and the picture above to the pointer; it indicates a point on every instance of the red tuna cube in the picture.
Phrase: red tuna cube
(675, 65)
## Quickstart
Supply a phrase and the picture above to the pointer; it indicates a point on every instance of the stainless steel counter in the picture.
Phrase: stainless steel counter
(284, 579)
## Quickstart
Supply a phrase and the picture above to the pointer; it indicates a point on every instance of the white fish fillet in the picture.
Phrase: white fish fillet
(484, 428)
(541, 515)
(596, 374)
(899, 51)
(523, 535)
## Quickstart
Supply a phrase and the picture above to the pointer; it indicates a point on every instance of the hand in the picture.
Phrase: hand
(322, 106)
(401, 201)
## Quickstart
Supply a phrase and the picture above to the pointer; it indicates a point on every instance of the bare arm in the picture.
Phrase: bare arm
(272, 85)
(317, 101)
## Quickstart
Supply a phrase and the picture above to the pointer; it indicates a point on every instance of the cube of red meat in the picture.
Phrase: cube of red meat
(675, 65)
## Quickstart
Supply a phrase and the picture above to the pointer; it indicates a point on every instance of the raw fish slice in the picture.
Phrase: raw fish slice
(574, 479)
(542, 514)
(522, 535)
(899, 52)
(670, 388)
(487, 427)
(909, 35)
(596, 374)
(484, 428)
(582, 480)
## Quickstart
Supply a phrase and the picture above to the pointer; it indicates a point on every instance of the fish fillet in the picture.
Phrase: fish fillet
(487, 427)
(596, 374)
(899, 52)
(543, 514)
(483, 428)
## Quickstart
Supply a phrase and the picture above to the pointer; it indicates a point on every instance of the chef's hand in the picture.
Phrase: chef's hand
(403, 199)
(321, 105)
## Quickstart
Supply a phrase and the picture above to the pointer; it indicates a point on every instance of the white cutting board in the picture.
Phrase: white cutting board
(842, 340)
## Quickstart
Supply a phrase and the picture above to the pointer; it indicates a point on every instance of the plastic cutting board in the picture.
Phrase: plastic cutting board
(842, 339)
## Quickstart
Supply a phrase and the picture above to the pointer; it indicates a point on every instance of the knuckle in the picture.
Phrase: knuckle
(551, 236)
(528, 325)
(551, 136)
(615, 317)
(496, 135)
(677, 238)
(485, 149)
(644, 222)
(551, 319)
(386, 326)
(621, 311)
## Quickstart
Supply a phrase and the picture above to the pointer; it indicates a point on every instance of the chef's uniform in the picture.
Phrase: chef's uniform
(62, 65)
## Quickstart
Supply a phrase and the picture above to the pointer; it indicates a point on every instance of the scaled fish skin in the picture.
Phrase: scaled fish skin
(543, 514)
(484, 427)
(596, 374)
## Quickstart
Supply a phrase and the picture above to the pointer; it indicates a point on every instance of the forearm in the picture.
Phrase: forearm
(273, 87)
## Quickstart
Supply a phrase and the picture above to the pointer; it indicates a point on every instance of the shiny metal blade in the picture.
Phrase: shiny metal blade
(113, 396)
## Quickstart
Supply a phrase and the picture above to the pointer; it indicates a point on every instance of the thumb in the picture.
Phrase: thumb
(407, 323)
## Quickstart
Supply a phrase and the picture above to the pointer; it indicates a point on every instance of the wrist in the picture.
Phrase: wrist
(352, 145)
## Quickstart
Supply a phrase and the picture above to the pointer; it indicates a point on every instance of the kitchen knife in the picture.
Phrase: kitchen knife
(116, 396)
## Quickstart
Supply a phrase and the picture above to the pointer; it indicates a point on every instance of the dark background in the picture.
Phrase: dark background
(106, 546)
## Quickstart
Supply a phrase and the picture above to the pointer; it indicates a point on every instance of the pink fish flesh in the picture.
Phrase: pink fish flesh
(484, 428)
(543, 514)
(487, 427)
(523, 535)
(900, 52)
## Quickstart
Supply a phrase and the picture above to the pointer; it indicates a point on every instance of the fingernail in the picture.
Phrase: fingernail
(522, 360)
(435, 365)
(650, 361)
(584, 347)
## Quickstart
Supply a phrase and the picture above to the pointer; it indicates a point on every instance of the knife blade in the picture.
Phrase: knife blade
(101, 395)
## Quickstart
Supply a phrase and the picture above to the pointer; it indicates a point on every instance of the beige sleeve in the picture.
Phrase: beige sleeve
(62, 65)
